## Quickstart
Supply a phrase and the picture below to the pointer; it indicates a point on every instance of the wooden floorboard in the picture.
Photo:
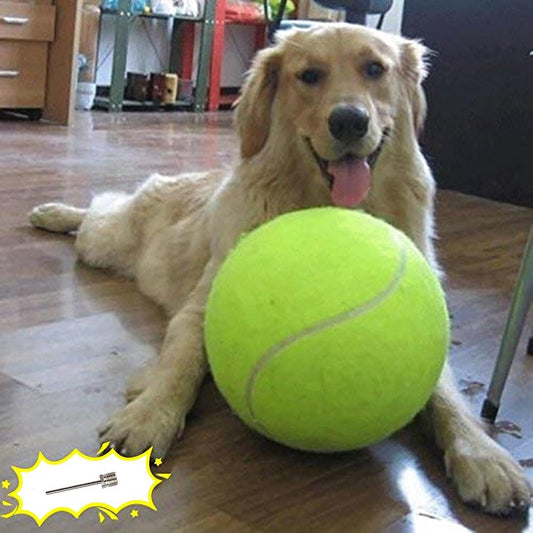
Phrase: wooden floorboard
(70, 336)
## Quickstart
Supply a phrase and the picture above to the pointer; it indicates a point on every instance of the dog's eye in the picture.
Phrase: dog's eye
(374, 69)
(310, 76)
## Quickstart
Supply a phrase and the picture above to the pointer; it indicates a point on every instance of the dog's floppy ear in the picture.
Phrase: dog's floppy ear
(414, 69)
(253, 106)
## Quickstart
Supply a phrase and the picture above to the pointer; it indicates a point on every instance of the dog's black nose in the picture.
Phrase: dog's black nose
(348, 122)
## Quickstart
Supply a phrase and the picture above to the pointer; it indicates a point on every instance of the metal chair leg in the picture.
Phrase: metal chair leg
(522, 298)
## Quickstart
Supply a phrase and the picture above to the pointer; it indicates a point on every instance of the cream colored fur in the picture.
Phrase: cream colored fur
(172, 234)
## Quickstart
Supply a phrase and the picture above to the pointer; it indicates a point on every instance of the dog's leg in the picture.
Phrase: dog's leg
(483, 472)
(57, 217)
(108, 235)
(158, 413)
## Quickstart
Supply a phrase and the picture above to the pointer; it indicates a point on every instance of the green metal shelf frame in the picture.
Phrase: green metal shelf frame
(123, 16)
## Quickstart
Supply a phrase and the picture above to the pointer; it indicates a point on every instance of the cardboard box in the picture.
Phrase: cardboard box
(309, 10)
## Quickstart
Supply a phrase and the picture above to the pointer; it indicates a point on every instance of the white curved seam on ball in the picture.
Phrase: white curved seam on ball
(318, 327)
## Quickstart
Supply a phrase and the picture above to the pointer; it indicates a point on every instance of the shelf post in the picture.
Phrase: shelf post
(120, 53)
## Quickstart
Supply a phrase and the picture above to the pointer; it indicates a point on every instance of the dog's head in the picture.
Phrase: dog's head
(338, 89)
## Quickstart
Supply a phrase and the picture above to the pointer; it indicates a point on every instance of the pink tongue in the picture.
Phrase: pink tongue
(351, 181)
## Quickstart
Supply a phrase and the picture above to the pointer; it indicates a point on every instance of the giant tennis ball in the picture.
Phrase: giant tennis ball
(326, 329)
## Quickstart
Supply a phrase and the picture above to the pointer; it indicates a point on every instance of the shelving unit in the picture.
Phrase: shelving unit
(123, 17)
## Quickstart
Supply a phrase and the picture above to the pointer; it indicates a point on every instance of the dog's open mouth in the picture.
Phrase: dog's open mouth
(348, 178)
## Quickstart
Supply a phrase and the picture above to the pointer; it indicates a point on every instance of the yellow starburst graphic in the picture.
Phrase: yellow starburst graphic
(74, 484)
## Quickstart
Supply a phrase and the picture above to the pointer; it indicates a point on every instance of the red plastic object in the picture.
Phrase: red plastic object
(243, 12)
(227, 13)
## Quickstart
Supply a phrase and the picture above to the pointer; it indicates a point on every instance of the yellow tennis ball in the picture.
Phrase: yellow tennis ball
(326, 329)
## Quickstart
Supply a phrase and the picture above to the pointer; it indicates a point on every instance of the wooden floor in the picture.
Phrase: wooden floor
(70, 335)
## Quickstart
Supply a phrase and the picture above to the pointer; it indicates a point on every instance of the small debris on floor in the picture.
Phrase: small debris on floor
(509, 428)
(471, 388)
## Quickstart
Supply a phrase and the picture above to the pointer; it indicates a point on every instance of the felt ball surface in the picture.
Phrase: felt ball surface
(326, 329)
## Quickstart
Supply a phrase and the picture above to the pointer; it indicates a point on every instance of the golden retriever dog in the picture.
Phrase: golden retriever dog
(327, 116)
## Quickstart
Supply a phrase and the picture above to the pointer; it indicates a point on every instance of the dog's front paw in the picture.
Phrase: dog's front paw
(142, 424)
(486, 475)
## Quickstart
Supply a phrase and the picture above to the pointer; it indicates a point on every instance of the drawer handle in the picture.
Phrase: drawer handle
(15, 20)
(9, 73)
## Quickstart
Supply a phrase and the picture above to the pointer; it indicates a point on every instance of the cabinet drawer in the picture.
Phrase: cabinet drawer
(27, 22)
(22, 73)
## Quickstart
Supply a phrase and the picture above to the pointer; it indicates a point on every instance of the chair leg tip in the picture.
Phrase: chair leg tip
(530, 346)
(489, 411)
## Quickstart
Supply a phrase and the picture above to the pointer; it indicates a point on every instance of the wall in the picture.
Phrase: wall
(393, 19)
(479, 125)
(148, 49)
